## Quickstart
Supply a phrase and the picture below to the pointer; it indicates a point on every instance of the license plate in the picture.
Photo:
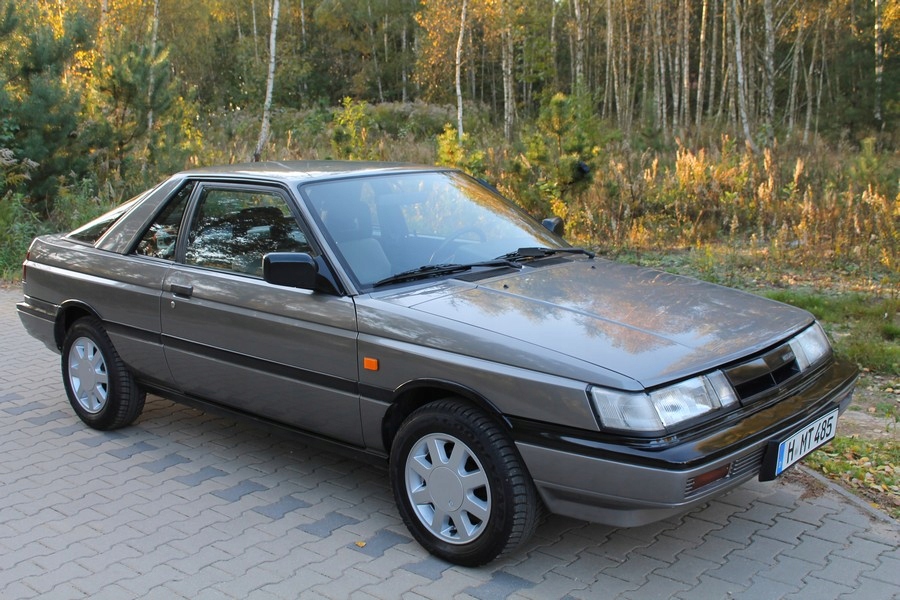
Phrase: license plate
(805, 441)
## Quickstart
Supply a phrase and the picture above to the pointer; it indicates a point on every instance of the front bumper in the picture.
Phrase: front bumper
(593, 480)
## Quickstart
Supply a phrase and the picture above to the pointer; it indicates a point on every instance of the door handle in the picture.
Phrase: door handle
(181, 290)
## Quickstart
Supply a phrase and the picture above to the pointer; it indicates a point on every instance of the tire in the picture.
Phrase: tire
(100, 388)
(450, 454)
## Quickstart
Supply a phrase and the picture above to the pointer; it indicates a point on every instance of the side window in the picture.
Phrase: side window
(233, 229)
(93, 231)
(159, 239)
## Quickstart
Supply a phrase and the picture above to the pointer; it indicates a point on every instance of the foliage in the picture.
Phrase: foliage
(13, 172)
(40, 111)
(459, 153)
(82, 102)
(132, 84)
(77, 89)
(781, 208)
(560, 153)
(411, 120)
(18, 226)
(74, 205)
(350, 132)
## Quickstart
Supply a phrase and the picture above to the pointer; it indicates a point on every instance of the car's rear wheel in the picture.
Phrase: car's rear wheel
(100, 388)
(460, 484)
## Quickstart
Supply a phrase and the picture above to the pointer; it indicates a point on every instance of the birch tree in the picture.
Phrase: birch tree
(578, 84)
(879, 65)
(769, 70)
(741, 85)
(796, 69)
(154, 32)
(459, 49)
(270, 84)
(810, 77)
(701, 68)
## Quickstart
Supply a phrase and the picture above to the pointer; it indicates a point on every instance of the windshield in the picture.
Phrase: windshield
(383, 225)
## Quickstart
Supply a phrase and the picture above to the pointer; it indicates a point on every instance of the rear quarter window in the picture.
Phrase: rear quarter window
(93, 231)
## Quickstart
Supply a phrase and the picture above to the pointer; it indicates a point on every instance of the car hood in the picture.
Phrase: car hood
(645, 325)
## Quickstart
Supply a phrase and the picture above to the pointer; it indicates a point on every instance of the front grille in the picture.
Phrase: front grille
(749, 464)
(758, 378)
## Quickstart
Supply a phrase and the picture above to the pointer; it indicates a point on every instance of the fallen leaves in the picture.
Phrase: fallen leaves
(867, 467)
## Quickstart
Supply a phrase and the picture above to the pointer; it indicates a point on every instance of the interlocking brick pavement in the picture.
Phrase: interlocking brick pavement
(185, 504)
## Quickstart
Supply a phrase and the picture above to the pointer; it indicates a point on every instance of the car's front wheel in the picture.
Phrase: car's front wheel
(460, 484)
(100, 388)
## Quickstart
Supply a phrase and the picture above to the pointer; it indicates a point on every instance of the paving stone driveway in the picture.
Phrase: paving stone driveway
(184, 504)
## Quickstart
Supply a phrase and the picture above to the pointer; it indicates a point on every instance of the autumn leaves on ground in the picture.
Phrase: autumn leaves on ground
(750, 143)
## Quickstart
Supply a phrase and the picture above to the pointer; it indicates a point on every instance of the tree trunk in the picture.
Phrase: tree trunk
(373, 44)
(701, 68)
(809, 86)
(629, 82)
(879, 65)
(578, 85)
(255, 32)
(303, 24)
(795, 77)
(154, 29)
(715, 68)
(459, 49)
(509, 87)
(104, 17)
(554, 51)
(769, 69)
(404, 76)
(661, 89)
(739, 72)
(645, 74)
(675, 66)
(270, 83)
(608, 75)
(686, 63)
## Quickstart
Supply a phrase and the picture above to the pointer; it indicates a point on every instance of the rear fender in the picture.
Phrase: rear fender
(69, 312)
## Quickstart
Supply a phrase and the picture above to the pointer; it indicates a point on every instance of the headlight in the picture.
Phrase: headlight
(810, 346)
(664, 407)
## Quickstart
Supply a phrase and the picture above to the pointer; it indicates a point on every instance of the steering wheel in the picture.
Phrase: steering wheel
(444, 245)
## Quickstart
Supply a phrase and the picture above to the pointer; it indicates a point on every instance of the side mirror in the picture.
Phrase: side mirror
(291, 269)
(555, 224)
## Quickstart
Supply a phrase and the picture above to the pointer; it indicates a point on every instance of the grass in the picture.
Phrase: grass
(864, 328)
(869, 468)
(888, 410)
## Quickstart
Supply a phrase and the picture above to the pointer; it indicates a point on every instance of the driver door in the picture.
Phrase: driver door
(282, 353)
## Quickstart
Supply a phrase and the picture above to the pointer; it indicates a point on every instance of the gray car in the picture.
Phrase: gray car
(415, 316)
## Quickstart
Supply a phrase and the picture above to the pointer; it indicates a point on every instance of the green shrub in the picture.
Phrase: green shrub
(350, 137)
(18, 226)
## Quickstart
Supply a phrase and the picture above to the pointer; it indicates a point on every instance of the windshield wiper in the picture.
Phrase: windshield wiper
(534, 252)
(426, 271)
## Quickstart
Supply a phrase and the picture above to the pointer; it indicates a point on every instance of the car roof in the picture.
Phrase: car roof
(296, 171)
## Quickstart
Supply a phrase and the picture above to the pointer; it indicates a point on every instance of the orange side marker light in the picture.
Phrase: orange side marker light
(370, 364)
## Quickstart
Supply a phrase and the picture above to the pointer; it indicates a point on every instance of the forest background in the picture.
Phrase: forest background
(754, 143)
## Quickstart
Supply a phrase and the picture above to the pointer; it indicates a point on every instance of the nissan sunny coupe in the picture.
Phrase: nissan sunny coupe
(414, 315)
